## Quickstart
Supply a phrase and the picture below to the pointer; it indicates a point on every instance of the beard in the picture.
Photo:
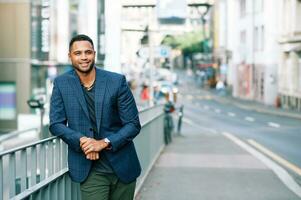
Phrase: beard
(85, 71)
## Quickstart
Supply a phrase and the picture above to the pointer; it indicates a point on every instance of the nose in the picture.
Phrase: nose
(83, 56)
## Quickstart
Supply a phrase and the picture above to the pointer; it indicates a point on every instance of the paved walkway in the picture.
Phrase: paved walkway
(200, 165)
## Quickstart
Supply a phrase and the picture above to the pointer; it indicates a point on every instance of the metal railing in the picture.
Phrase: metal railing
(7, 137)
(26, 170)
(39, 170)
(149, 143)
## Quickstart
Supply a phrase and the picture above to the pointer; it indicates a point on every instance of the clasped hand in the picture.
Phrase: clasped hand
(92, 147)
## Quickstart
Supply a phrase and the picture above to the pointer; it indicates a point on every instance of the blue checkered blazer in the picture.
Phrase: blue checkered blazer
(116, 116)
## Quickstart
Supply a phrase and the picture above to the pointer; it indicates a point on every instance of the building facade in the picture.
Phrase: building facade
(34, 48)
(247, 47)
(15, 63)
(289, 74)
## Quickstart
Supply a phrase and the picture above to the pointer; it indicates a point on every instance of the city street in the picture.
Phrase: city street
(214, 158)
(227, 73)
(279, 134)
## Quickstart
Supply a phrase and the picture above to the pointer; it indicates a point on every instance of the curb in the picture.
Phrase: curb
(255, 108)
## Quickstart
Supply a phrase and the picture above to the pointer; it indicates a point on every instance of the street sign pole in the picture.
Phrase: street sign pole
(151, 61)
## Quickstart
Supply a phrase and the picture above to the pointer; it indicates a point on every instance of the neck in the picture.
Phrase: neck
(87, 78)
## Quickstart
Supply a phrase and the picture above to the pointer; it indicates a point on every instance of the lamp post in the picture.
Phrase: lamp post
(39, 104)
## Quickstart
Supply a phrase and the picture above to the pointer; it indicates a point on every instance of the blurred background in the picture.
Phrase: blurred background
(244, 52)
(252, 48)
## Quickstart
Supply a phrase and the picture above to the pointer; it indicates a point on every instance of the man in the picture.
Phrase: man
(94, 112)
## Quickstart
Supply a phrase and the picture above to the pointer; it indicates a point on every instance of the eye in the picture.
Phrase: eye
(89, 52)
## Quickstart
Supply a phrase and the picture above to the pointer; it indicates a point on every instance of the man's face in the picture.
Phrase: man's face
(82, 56)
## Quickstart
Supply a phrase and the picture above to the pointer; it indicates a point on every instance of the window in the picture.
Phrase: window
(7, 100)
(243, 37)
(299, 55)
(256, 39)
(298, 16)
(262, 39)
(242, 8)
(259, 39)
(259, 5)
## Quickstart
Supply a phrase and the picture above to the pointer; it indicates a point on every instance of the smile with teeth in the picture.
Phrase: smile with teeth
(85, 64)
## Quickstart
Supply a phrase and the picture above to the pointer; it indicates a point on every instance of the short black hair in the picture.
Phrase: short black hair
(80, 37)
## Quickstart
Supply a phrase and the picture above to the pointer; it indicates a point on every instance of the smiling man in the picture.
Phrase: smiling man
(94, 112)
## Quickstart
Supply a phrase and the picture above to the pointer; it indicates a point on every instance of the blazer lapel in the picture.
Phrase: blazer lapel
(100, 88)
(78, 91)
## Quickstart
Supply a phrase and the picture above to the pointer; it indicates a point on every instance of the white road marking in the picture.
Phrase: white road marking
(231, 114)
(200, 97)
(217, 110)
(250, 119)
(283, 175)
(189, 97)
(208, 97)
(275, 125)
(188, 121)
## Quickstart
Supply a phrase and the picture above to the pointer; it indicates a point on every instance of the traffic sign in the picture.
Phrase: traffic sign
(159, 52)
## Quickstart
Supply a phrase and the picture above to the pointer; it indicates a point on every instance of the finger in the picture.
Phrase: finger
(94, 155)
(88, 150)
(86, 145)
(85, 142)
(97, 156)
(83, 139)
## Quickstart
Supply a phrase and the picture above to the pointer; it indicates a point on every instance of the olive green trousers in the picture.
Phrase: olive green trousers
(101, 186)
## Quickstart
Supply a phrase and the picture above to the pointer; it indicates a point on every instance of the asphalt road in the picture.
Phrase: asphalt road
(277, 136)
(226, 152)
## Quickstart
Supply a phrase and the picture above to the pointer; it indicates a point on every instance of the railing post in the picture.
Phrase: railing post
(42, 166)
(50, 157)
(33, 165)
(12, 174)
(57, 155)
(64, 155)
(1, 178)
(68, 189)
(23, 176)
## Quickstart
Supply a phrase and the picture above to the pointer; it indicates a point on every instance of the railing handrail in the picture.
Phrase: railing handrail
(152, 119)
(150, 107)
(26, 146)
(15, 133)
(53, 137)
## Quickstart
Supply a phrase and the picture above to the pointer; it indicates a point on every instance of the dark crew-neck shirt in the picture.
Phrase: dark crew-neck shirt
(102, 164)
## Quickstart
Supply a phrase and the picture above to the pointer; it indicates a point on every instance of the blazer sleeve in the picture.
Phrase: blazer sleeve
(128, 114)
(58, 121)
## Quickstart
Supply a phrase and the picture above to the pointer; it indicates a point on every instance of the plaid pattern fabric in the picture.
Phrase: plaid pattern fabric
(116, 118)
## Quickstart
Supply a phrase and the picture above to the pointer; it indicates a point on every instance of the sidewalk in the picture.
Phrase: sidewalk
(209, 166)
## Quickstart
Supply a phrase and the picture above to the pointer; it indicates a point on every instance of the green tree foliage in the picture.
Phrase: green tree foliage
(188, 43)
